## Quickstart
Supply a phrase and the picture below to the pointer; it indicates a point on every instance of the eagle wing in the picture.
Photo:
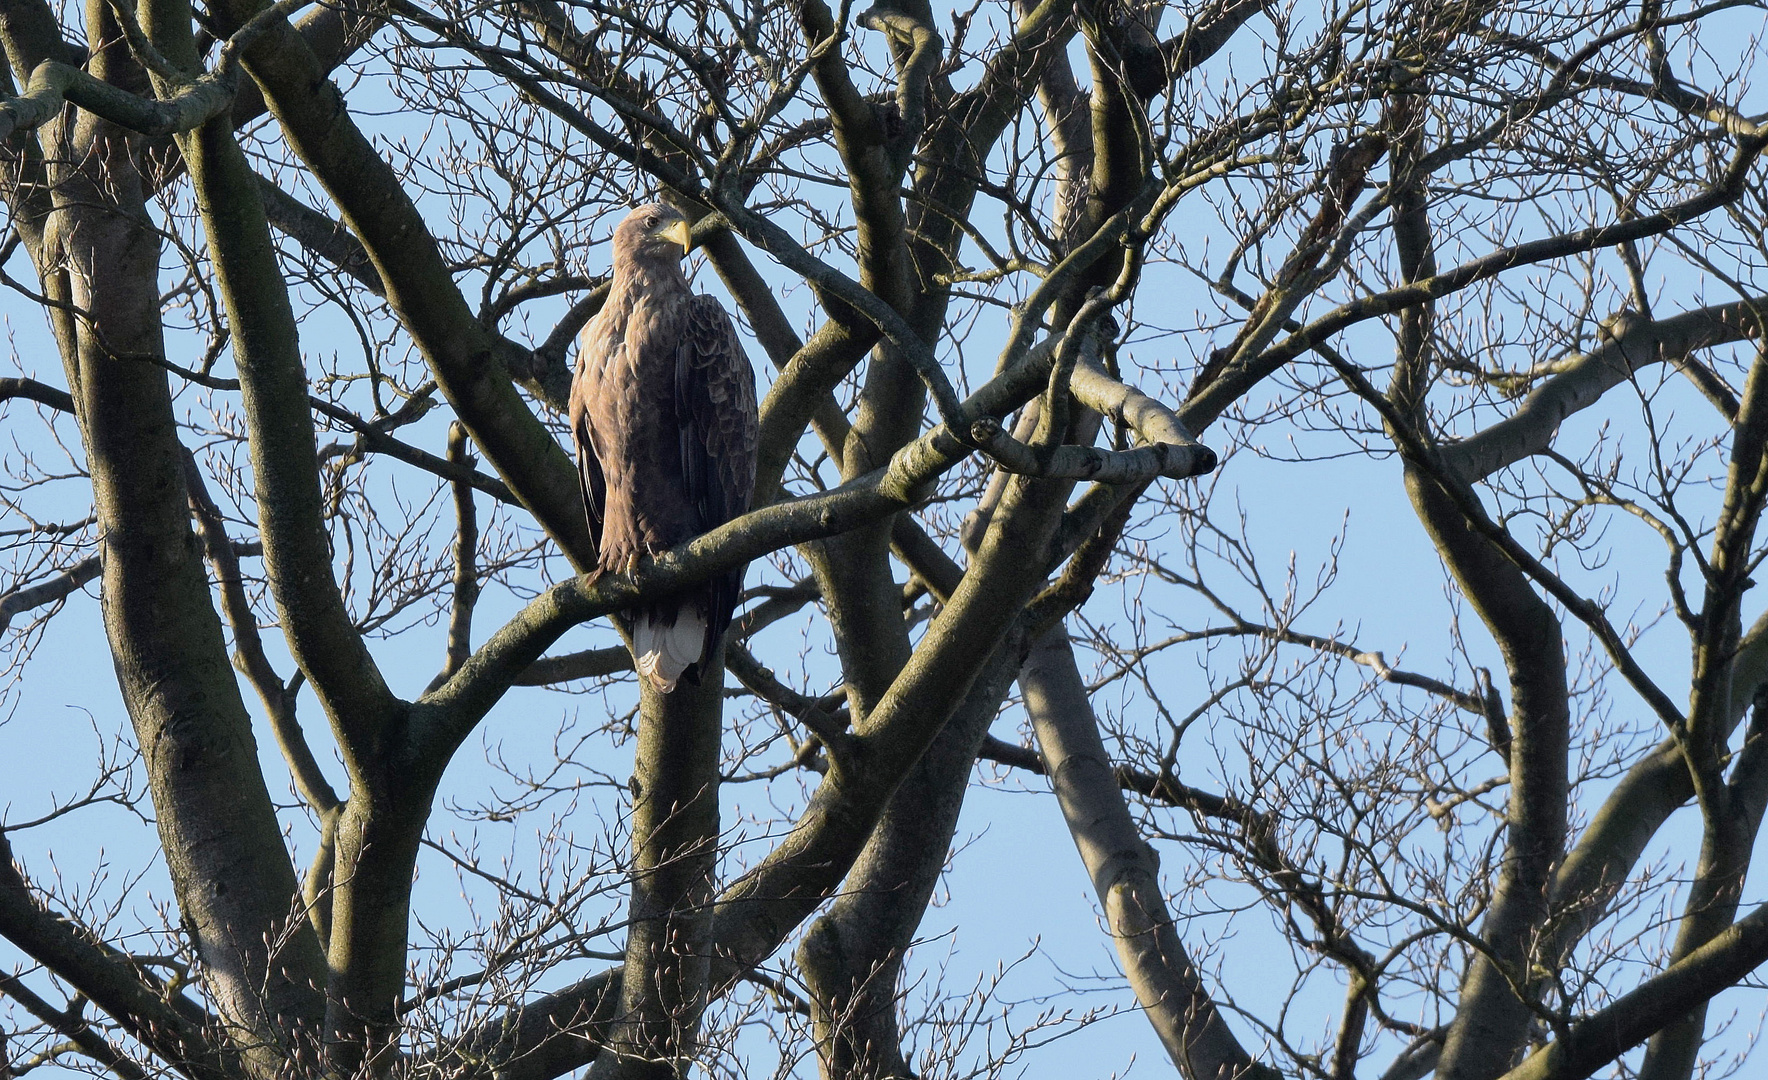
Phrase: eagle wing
(590, 480)
(715, 405)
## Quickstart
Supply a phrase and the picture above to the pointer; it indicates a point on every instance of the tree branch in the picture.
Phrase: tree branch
(54, 82)
(48, 591)
(1582, 381)
(1635, 1016)
(420, 289)
(273, 387)
(104, 976)
(41, 393)
(1124, 871)
(1236, 379)
(80, 1033)
(249, 657)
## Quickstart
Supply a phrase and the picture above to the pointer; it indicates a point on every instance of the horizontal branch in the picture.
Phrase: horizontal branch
(588, 664)
(1090, 462)
(40, 392)
(447, 714)
(54, 83)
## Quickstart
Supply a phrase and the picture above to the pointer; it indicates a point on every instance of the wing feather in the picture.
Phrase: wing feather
(591, 481)
(715, 400)
(715, 403)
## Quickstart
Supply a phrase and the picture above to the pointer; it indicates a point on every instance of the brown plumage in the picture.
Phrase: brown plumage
(663, 415)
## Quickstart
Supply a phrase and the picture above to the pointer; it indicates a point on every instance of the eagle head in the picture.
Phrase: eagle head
(652, 233)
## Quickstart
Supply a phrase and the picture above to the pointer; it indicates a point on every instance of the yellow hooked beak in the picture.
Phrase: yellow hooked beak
(680, 234)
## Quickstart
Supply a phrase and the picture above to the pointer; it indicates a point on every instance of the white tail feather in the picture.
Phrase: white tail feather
(664, 652)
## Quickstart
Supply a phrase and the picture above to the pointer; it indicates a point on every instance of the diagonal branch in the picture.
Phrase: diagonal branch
(1635, 1016)
(273, 387)
(1124, 871)
(249, 656)
(48, 591)
(104, 976)
(67, 1022)
(420, 289)
(1237, 379)
(1582, 381)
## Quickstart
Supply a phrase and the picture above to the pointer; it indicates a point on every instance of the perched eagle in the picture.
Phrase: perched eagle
(663, 415)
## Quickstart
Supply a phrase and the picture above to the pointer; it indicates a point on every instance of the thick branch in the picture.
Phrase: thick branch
(1636, 1015)
(674, 821)
(104, 976)
(54, 82)
(170, 656)
(285, 469)
(316, 232)
(1124, 871)
(78, 1031)
(420, 288)
(41, 393)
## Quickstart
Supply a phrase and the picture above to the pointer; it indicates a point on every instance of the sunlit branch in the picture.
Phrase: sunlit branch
(81, 1035)
(58, 587)
(1236, 379)
(249, 656)
(1633, 1017)
(1583, 380)
(104, 976)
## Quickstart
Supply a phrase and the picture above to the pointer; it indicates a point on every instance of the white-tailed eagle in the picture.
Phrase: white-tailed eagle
(663, 415)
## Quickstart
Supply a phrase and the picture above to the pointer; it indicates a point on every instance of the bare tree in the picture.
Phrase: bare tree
(1007, 266)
